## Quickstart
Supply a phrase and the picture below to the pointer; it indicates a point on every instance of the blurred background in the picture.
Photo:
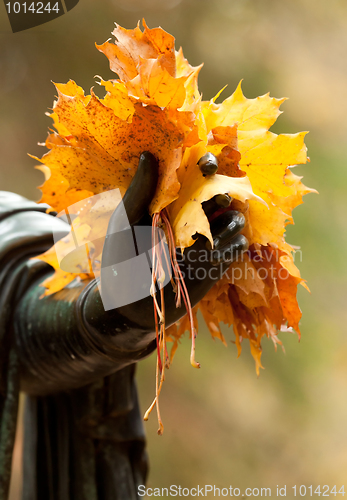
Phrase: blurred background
(223, 425)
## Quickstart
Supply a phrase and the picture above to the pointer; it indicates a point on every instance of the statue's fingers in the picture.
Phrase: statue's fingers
(231, 251)
(142, 188)
(226, 226)
(228, 243)
(208, 164)
(138, 196)
(119, 241)
(216, 203)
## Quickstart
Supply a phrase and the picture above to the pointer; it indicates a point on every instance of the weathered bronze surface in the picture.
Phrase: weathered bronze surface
(84, 438)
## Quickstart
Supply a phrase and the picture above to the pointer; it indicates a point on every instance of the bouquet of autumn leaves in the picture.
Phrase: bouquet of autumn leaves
(155, 106)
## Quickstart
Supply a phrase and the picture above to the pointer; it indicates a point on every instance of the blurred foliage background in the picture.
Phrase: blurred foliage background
(223, 425)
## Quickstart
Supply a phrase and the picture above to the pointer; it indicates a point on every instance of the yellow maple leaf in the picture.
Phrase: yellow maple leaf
(186, 213)
(155, 105)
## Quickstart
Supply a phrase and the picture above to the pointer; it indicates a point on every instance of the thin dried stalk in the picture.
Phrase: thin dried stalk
(158, 276)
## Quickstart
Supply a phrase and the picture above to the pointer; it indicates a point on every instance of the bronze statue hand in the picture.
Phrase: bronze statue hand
(201, 267)
(73, 339)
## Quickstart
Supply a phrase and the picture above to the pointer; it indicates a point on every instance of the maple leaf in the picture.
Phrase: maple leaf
(155, 105)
